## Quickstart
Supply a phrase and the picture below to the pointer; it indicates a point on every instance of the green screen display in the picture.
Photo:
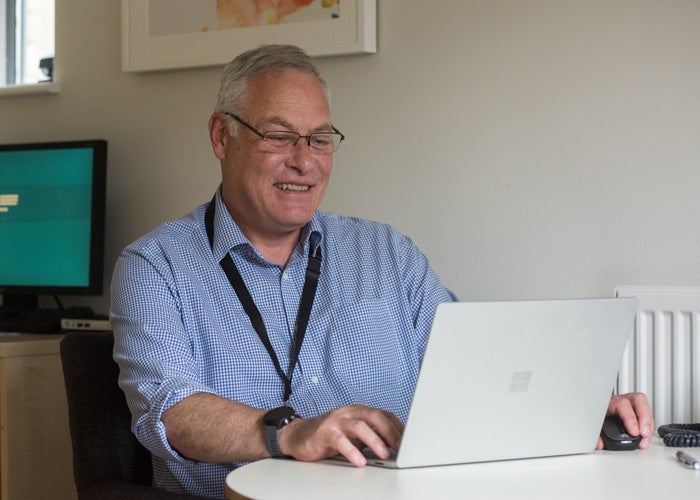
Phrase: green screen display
(45, 217)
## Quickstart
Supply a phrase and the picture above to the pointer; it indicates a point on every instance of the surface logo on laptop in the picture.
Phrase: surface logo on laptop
(520, 382)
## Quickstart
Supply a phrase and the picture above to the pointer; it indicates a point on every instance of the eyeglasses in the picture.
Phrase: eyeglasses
(282, 141)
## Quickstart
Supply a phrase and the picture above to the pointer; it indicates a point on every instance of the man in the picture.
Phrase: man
(257, 326)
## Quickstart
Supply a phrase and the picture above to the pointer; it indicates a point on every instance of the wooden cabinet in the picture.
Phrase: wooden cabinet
(36, 459)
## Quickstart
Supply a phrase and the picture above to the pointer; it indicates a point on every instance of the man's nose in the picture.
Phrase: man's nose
(300, 156)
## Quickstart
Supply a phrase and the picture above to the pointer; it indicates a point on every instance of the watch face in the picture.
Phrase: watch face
(279, 416)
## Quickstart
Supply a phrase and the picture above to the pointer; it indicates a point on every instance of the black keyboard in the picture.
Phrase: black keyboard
(42, 320)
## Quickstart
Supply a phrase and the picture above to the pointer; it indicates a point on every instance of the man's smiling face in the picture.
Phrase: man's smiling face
(271, 195)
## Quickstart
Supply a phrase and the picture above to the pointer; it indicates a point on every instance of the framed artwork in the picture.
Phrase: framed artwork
(169, 34)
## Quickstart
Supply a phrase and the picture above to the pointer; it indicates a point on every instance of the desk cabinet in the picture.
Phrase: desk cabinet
(36, 459)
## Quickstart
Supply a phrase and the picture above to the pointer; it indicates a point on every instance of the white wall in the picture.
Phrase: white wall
(532, 148)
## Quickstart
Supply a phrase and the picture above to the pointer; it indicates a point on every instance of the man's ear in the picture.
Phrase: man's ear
(218, 134)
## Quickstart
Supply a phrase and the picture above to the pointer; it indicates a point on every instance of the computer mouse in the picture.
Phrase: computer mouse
(615, 437)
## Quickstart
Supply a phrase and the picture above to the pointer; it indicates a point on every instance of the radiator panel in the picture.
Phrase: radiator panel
(663, 355)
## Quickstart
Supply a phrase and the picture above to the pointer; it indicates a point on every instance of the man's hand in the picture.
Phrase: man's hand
(636, 414)
(343, 431)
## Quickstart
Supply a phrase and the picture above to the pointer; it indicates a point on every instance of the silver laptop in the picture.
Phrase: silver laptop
(511, 380)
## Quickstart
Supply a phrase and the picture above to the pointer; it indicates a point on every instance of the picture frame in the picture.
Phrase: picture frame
(352, 31)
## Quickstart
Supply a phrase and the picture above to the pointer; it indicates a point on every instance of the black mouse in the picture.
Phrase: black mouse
(615, 437)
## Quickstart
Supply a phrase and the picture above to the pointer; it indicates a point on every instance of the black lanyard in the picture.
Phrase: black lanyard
(313, 271)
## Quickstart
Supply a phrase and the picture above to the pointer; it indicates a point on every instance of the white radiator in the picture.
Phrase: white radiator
(663, 355)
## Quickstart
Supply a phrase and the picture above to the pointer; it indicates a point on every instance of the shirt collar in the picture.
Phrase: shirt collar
(227, 234)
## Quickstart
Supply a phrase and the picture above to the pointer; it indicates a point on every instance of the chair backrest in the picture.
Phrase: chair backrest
(108, 461)
(104, 448)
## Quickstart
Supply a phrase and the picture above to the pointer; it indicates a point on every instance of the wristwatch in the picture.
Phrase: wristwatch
(273, 421)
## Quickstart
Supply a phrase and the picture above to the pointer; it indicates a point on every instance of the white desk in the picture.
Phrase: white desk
(650, 474)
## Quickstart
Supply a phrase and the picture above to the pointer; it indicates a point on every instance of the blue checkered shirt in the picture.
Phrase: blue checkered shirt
(180, 328)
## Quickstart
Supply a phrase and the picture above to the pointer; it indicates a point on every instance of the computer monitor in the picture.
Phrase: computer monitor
(52, 211)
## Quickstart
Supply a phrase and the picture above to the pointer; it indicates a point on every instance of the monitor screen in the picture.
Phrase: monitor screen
(52, 207)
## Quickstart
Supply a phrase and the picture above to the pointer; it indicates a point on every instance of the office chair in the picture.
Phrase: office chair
(108, 462)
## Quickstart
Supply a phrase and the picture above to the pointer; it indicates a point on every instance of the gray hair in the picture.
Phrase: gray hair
(264, 60)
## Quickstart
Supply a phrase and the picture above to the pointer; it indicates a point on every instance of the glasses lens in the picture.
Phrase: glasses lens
(279, 142)
(324, 144)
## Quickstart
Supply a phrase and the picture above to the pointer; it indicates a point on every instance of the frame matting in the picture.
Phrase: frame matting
(354, 31)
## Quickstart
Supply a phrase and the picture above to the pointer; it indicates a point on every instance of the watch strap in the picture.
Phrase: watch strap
(273, 421)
